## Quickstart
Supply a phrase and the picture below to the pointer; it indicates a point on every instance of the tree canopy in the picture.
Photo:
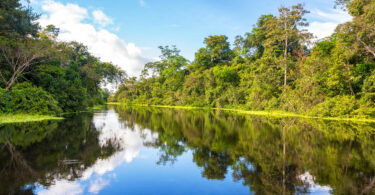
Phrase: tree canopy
(40, 74)
(275, 66)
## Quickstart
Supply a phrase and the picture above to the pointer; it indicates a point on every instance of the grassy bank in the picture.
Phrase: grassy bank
(275, 113)
(21, 118)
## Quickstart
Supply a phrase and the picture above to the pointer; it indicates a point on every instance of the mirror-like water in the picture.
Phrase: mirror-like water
(165, 151)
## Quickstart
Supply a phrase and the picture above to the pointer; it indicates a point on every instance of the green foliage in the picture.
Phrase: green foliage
(336, 106)
(270, 68)
(226, 75)
(26, 98)
(16, 19)
(216, 52)
(58, 73)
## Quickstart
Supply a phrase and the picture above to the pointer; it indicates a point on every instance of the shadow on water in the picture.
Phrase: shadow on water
(267, 155)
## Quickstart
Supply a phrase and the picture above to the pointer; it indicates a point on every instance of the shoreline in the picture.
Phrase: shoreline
(275, 113)
(23, 118)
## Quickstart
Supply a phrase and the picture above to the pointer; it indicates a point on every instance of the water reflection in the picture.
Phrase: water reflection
(88, 154)
(270, 156)
(46, 153)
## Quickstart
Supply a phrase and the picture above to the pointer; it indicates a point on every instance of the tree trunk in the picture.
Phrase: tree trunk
(285, 55)
(285, 61)
(350, 81)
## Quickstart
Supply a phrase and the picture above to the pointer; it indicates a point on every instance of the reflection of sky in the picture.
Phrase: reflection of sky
(313, 187)
(133, 170)
(97, 176)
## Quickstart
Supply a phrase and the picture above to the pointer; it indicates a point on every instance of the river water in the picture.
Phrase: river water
(142, 150)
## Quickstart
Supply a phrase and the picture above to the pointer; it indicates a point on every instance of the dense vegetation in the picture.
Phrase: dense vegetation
(276, 66)
(41, 75)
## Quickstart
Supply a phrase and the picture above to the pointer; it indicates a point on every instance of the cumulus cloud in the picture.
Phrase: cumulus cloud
(101, 19)
(97, 185)
(63, 187)
(77, 24)
(326, 22)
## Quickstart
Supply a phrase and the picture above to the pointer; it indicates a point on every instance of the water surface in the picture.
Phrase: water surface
(166, 151)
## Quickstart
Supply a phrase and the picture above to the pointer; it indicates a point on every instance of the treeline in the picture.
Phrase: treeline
(276, 66)
(41, 75)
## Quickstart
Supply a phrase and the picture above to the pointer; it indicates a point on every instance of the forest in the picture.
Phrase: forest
(278, 65)
(44, 76)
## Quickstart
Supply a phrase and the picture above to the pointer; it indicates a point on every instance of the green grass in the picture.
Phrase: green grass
(274, 113)
(22, 118)
(97, 107)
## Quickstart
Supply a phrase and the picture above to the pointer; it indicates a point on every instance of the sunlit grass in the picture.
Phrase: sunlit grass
(98, 107)
(21, 118)
(274, 113)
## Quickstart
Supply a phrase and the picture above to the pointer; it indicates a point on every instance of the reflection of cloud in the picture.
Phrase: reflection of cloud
(63, 187)
(313, 187)
(97, 185)
(111, 129)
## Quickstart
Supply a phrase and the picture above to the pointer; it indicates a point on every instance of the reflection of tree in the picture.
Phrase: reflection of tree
(45, 151)
(268, 155)
(214, 164)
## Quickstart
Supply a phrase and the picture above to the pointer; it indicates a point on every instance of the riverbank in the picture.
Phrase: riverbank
(21, 118)
(274, 113)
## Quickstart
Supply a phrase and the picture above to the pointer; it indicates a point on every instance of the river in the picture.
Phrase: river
(145, 150)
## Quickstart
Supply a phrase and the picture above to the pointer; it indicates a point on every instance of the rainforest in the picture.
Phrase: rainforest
(275, 66)
(280, 109)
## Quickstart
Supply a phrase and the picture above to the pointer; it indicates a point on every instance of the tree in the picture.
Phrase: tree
(18, 56)
(284, 30)
(363, 23)
(17, 20)
(217, 51)
(253, 43)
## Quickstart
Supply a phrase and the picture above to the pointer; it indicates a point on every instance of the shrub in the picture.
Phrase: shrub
(26, 98)
(336, 106)
(5, 98)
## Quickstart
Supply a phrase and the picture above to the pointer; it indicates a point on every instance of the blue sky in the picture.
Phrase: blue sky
(142, 25)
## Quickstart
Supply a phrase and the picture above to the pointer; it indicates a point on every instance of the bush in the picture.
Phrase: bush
(26, 98)
(5, 98)
(336, 106)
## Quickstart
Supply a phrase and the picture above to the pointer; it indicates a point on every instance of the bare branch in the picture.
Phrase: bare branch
(367, 47)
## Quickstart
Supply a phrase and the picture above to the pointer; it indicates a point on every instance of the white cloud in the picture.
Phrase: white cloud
(101, 19)
(325, 23)
(63, 187)
(97, 185)
(74, 26)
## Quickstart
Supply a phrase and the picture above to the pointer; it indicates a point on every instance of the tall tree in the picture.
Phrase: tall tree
(363, 24)
(284, 30)
(217, 51)
(17, 19)
(18, 56)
